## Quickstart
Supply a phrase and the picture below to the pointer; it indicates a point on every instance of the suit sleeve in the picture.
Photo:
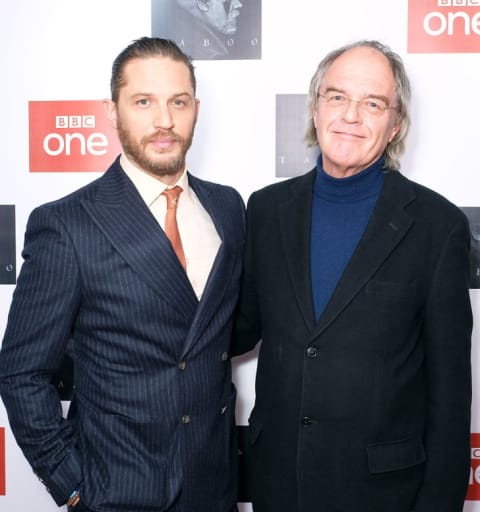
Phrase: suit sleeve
(447, 338)
(40, 322)
(247, 328)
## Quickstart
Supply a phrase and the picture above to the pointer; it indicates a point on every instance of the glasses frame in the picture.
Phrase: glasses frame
(363, 103)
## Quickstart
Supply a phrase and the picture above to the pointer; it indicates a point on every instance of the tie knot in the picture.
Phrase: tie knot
(172, 196)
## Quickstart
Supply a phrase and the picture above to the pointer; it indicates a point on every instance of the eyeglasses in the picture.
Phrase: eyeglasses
(372, 106)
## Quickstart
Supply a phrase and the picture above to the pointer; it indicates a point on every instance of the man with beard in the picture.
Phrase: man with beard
(150, 425)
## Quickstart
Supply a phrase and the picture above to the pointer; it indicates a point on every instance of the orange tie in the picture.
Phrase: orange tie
(171, 227)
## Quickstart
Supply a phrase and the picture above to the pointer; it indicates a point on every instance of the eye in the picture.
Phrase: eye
(181, 101)
(143, 102)
(337, 99)
(375, 105)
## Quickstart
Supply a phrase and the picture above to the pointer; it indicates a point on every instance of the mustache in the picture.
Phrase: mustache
(164, 134)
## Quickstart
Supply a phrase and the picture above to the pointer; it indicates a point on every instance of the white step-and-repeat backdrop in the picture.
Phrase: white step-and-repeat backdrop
(56, 59)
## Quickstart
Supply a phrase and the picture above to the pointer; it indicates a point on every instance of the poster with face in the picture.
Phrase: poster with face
(210, 29)
(473, 214)
(7, 245)
(292, 155)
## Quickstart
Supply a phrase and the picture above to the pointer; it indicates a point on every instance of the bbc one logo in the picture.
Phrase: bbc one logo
(444, 26)
(473, 493)
(70, 136)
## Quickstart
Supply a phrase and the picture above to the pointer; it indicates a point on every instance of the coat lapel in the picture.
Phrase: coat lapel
(126, 221)
(295, 227)
(387, 227)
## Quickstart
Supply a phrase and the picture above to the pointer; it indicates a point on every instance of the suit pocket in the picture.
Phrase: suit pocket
(395, 455)
(130, 462)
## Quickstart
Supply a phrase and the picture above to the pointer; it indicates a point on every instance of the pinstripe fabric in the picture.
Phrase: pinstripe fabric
(151, 423)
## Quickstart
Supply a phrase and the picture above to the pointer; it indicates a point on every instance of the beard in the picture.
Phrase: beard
(163, 164)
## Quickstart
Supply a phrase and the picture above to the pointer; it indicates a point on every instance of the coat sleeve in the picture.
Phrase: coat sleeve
(247, 328)
(447, 338)
(41, 318)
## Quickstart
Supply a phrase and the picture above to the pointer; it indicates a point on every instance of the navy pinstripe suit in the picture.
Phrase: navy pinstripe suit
(151, 422)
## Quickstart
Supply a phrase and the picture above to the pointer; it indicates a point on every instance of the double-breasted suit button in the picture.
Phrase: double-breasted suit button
(306, 421)
(311, 352)
(185, 419)
(182, 365)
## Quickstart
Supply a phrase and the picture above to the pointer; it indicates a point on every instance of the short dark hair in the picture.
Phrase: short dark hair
(147, 47)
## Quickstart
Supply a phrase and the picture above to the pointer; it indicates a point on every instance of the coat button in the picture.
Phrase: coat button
(311, 352)
(182, 365)
(185, 419)
(306, 421)
(224, 356)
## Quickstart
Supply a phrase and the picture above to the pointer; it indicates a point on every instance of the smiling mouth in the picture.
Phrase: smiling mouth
(348, 135)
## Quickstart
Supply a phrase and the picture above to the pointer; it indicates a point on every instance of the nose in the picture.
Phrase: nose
(351, 112)
(162, 117)
(236, 4)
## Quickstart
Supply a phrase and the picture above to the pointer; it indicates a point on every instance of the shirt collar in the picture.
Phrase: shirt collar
(148, 187)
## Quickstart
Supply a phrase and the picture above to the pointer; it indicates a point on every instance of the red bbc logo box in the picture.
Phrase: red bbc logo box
(70, 136)
(473, 493)
(443, 26)
(3, 478)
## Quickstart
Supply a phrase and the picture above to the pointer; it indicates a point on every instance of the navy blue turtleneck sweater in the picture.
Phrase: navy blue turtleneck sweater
(341, 208)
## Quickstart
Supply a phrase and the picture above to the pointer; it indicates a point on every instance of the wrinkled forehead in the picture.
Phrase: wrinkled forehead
(362, 68)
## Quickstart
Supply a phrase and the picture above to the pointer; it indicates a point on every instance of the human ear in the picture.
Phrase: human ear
(111, 111)
(395, 131)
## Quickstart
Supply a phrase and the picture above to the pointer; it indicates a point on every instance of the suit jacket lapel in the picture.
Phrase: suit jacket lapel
(218, 281)
(387, 227)
(295, 226)
(122, 215)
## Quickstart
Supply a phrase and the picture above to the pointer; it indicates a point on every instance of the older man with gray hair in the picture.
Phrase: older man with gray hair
(357, 281)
